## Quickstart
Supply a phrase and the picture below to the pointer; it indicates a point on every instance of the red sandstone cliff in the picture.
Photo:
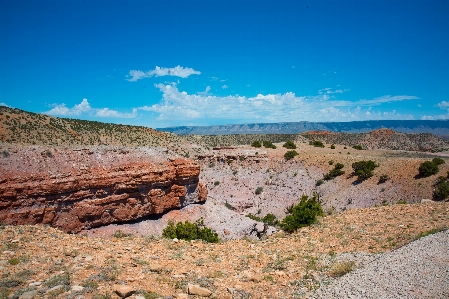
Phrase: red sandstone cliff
(79, 189)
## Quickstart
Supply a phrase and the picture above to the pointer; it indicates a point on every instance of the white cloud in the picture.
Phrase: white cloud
(177, 71)
(180, 108)
(330, 91)
(225, 86)
(443, 105)
(204, 92)
(4, 104)
(84, 108)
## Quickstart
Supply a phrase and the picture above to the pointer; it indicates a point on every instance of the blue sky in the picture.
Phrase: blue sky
(171, 63)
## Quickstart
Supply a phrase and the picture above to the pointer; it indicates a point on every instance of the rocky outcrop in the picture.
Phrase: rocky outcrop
(76, 199)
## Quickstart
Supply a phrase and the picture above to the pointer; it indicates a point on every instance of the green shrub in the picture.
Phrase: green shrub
(254, 217)
(331, 162)
(332, 146)
(334, 172)
(302, 214)
(190, 231)
(438, 161)
(268, 144)
(428, 168)
(319, 182)
(14, 261)
(316, 143)
(441, 190)
(358, 147)
(256, 144)
(258, 190)
(364, 169)
(290, 155)
(289, 145)
(216, 183)
(383, 178)
(270, 219)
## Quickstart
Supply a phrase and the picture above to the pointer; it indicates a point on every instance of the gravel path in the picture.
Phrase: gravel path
(417, 270)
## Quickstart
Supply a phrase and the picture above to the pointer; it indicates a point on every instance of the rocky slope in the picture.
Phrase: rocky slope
(282, 266)
(75, 189)
(381, 139)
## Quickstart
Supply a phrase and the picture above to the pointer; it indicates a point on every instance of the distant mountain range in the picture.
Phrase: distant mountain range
(437, 127)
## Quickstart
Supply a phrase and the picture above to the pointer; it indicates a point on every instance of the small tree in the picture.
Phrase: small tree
(258, 190)
(269, 144)
(316, 143)
(256, 144)
(289, 145)
(334, 172)
(302, 214)
(332, 146)
(438, 161)
(441, 190)
(364, 169)
(190, 231)
(290, 155)
(428, 168)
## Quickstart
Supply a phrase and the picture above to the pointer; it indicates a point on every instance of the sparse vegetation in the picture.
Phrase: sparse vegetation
(316, 143)
(289, 145)
(427, 169)
(256, 144)
(332, 146)
(290, 155)
(364, 169)
(441, 191)
(358, 147)
(383, 178)
(258, 191)
(337, 171)
(341, 268)
(319, 183)
(302, 214)
(216, 183)
(190, 231)
(438, 161)
(269, 219)
(268, 144)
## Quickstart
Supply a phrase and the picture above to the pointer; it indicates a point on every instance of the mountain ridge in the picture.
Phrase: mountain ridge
(437, 127)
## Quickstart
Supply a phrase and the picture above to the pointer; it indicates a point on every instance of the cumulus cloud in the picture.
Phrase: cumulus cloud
(177, 71)
(443, 105)
(84, 108)
(225, 86)
(180, 108)
(204, 92)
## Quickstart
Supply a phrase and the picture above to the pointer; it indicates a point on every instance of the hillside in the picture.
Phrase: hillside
(437, 127)
(22, 127)
(282, 266)
(381, 139)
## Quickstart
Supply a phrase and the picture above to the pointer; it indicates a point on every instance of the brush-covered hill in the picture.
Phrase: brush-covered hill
(437, 127)
(22, 127)
(381, 139)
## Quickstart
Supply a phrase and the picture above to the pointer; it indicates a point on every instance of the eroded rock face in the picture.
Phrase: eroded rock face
(74, 198)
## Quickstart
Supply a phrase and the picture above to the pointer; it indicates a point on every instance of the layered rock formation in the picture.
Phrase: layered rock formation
(109, 186)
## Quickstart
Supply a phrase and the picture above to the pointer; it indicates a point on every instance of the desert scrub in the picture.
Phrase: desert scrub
(319, 183)
(438, 161)
(316, 143)
(190, 231)
(256, 144)
(269, 144)
(289, 145)
(334, 172)
(121, 234)
(358, 147)
(290, 155)
(383, 178)
(216, 183)
(364, 169)
(258, 191)
(430, 232)
(427, 169)
(302, 214)
(332, 146)
(339, 269)
(441, 189)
